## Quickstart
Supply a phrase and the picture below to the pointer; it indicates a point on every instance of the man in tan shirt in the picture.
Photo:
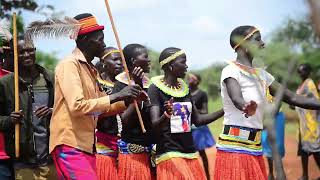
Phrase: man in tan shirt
(78, 102)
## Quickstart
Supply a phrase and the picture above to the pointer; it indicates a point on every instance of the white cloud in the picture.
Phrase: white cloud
(99, 7)
(132, 4)
(202, 29)
(205, 24)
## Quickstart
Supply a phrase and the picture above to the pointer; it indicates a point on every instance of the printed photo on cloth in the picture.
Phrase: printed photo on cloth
(181, 119)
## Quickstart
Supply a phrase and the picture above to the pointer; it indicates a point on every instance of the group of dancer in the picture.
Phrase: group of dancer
(87, 121)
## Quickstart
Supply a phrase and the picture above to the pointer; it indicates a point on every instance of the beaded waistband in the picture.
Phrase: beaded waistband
(240, 140)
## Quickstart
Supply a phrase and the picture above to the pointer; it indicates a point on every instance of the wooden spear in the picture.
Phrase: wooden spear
(124, 62)
(16, 84)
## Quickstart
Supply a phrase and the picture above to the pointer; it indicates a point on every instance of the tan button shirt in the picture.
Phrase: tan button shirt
(77, 104)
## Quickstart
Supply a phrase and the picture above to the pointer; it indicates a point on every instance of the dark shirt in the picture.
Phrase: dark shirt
(131, 132)
(34, 132)
(108, 125)
(199, 98)
(166, 140)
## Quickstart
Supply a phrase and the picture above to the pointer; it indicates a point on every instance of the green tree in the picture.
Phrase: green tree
(47, 60)
(295, 39)
(210, 79)
(23, 5)
(155, 66)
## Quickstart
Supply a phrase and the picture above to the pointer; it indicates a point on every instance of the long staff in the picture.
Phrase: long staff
(16, 84)
(124, 62)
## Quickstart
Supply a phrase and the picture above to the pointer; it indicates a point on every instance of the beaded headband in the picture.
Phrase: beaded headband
(110, 52)
(171, 58)
(245, 38)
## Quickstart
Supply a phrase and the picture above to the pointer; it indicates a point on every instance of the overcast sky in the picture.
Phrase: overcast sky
(200, 27)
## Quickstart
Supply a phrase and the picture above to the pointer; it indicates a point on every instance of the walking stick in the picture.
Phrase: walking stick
(16, 85)
(124, 62)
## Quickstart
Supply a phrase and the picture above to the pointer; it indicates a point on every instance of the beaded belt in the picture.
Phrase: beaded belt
(130, 148)
(240, 140)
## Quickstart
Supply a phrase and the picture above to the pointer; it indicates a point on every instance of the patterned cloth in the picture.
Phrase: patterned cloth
(130, 148)
(170, 155)
(180, 121)
(107, 144)
(309, 123)
(240, 140)
(72, 163)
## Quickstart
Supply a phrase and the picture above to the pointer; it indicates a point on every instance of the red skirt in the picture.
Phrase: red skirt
(180, 169)
(134, 166)
(106, 167)
(237, 166)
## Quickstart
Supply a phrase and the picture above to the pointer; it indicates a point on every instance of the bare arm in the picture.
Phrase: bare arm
(69, 81)
(157, 119)
(203, 119)
(295, 99)
(234, 92)
(127, 114)
(204, 109)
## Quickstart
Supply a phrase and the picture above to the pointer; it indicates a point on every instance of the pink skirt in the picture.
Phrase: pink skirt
(72, 163)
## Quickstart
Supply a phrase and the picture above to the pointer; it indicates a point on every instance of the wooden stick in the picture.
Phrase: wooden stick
(315, 15)
(16, 85)
(270, 115)
(124, 62)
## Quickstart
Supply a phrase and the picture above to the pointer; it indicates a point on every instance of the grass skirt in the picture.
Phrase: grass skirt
(134, 166)
(180, 169)
(237, 166)
(106, 167)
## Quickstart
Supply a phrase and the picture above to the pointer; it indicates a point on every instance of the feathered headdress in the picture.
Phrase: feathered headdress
(5, 34)
(52, 28)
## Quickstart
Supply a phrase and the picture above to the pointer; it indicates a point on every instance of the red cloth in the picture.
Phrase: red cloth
(3, 154)
(106, 167)
(134, 167)
(180, 168)
(237, 166)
